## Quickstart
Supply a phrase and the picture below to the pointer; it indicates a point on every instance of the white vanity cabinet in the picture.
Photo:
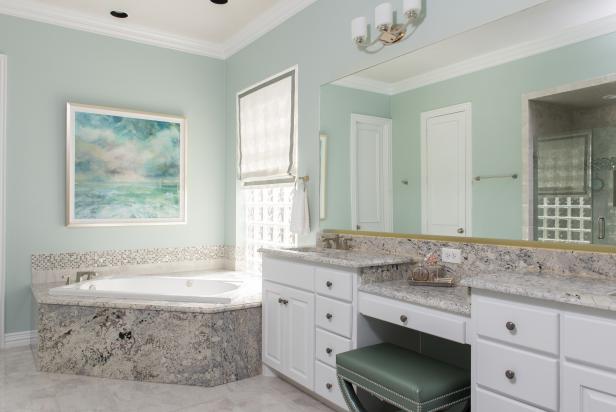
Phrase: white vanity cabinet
(308, 317)
(534, 355)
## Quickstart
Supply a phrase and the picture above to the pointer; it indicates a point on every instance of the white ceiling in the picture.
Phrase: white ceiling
(546, 26)
(195, 26)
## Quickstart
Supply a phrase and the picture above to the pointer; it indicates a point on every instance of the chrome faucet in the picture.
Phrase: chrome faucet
(335, 242)
(85, 274)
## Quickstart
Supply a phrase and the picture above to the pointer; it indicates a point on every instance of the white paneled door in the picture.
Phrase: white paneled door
(371, 185)
(446, 171)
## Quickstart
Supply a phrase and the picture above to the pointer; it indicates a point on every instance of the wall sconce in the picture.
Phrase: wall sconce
(389, 33)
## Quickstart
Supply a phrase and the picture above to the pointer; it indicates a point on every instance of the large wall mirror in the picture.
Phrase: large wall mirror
(507, 131)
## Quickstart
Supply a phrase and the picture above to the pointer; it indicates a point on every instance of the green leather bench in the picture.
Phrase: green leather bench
(403, 378)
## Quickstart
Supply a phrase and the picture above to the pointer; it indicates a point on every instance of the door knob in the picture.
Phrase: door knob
(460, 230)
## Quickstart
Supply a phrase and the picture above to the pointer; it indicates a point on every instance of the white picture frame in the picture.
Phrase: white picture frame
(132, 168)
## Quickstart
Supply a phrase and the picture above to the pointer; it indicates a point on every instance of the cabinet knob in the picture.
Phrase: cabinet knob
(510, 326)
(460, 230)
(280, 300)
(329, 316)
(329, 284)
(329, 386)
(329, 351)
(403, 318)
(510, 374)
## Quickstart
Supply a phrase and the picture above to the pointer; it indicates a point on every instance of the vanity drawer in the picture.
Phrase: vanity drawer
(329, 345)
(516, 323)
(326, 384)
(432, 321)
(590, 339)
(334, 283)
(534, 380)
(334, 316)
(288, 273)
(487, 401)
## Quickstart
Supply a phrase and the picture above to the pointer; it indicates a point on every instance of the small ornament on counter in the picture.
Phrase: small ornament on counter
(429, 273)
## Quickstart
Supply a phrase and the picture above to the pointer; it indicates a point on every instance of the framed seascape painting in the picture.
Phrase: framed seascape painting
(124, 167)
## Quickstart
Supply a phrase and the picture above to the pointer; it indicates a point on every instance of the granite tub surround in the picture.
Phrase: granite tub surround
(587, 291)
(54, 267)
(355, 259)
(450, 299)
(204, 349)
(205, 344)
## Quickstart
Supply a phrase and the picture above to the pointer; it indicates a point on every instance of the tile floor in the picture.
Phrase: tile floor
(22, 388)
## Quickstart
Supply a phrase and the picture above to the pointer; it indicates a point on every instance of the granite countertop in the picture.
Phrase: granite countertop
(249, 296)
(585, 291)
(345, 258)
(451, 299)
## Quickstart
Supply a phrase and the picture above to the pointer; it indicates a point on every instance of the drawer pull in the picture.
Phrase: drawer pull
(403, 318)
(510, 326)
(329, 351)
(329, 316)
(510, 374)
(329, 386)
(329, 284)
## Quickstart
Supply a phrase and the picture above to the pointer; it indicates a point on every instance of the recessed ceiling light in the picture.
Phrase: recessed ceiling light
(119, 14)
(609, 97)
(219, 1)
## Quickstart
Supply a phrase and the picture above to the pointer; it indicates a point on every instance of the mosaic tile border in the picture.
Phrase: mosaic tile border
(125, 257)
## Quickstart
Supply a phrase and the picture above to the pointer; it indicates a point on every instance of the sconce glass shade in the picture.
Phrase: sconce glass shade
(383, 16)
(412, 8)
(359, 29)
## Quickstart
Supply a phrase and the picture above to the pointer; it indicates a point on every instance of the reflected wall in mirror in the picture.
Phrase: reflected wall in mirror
(461, 139)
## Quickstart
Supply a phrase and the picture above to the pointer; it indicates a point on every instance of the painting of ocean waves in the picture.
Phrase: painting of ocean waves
(126, 168)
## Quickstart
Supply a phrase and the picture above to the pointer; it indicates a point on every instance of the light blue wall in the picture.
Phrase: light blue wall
(337, 105)
(496, 97)
(318, 41)
(49, 66)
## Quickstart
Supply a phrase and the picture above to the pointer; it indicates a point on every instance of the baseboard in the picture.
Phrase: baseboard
(18, 339)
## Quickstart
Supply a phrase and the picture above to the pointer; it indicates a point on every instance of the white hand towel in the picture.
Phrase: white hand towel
(300, 215)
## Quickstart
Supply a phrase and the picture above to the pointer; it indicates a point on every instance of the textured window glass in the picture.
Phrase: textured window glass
(267, 130)
(268, 216)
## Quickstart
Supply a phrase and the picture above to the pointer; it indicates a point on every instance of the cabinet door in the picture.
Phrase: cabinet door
(299, 336)
(588, 390)
(273, 346)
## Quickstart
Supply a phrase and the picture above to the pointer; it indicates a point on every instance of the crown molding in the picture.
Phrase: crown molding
(41, 12)
(519, 51)
(365, 84)
(36, 11)
(263, 24)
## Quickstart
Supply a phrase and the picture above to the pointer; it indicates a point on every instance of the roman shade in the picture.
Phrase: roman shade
(267, 130)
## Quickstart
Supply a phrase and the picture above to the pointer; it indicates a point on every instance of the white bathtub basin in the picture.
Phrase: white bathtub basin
(203, 288)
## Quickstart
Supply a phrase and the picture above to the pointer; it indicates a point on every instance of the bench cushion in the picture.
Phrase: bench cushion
(404, 378)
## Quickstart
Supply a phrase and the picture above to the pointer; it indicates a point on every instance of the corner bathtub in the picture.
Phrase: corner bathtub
(207, 287)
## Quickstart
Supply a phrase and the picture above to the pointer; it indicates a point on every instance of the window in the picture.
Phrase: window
(267, 130)
(267, 164)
